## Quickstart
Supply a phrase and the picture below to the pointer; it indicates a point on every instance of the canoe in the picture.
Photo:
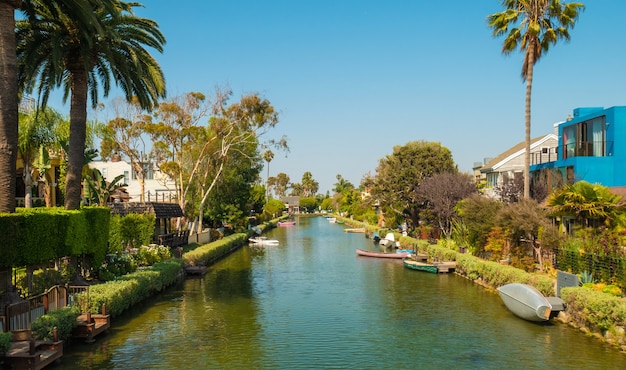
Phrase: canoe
(420, 266)
(525, 301)
(362, 252)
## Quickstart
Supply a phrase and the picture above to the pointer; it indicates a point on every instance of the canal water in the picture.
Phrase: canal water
(311, 303)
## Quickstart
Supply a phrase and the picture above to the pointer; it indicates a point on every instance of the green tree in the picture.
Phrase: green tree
(400, 174)
(268, 155)
(478, 217)
(281, 184)
(589, 204)
(534, 25)
(36, 136)
(83, 54)
(309, 185)
(308, 204)
(125, 135)
(342, 184)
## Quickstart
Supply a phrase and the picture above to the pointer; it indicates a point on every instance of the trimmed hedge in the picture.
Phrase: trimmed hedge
(208, 253)
(127, 290)
(36, 235)
(593, 309)
(132, 230)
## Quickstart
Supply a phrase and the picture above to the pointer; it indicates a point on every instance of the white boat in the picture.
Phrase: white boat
(262, 240)
(527, 302)
(388, 241)
(332, 220)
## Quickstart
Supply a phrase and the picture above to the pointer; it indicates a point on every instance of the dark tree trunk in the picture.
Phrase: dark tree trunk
(78, 133)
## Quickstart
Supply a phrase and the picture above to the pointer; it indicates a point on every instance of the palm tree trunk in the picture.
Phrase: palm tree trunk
(529, 87)
(8, 105)
(28, 186)
(78, 133)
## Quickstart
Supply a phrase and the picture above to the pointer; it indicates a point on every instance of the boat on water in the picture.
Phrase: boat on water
(388, 241)
(365, 253)
(332, 220)
(262, 240)
(420, 266)
(355, 230)
(286, 223)
(526, 302)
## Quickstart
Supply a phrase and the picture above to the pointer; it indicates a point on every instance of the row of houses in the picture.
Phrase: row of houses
(590, 145)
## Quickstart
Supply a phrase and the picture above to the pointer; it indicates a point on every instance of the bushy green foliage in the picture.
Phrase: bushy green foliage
(127, 290)
(5, 341)
(131, 231)
(595, 309)
(151, 254)
(115, 265)
(36, 235)
(308, 204)
(63, 319)
(207, 253)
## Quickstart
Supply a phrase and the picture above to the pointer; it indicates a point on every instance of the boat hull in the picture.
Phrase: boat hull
(525, 301)
(421, 266)
(286, 223)
(364, 253)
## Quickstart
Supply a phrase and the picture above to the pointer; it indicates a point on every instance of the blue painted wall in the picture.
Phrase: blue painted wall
(609, 170)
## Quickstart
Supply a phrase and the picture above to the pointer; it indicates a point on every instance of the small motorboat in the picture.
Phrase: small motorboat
(262, 240)
(388, 241)
(526, 302)
(365, 253)
(286, 223)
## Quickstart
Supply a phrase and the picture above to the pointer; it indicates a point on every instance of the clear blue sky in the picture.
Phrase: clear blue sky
(353, 78)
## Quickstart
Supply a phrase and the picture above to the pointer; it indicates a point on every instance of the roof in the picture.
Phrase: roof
(160, 210)
(514, 151)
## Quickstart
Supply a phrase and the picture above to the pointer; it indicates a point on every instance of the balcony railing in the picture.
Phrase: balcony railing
(589, 149)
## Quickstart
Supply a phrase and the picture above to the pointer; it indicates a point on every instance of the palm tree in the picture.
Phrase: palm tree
(56, 48)
(268, 155)
(590, 204)
(534, 25)
(8, 104)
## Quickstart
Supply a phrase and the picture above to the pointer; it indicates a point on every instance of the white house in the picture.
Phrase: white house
(510, 164)
(158, 186)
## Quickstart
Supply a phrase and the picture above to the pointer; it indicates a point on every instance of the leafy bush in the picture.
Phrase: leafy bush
(63, 319)
(131, 231)
(127, 290)
(116, 265)
(149, 255)
(595, 309)
(5, 341)
(207, 253)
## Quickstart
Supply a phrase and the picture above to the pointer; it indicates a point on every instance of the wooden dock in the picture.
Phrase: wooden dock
(91, 325)
(33, 354)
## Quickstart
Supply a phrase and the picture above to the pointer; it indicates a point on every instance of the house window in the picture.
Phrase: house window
(585, 139)
(147, 170)
(126, 178)
(103, 171)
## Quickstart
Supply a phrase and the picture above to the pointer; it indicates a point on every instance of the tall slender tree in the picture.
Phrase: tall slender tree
(8, 104)
(55, 47)
(534, 25)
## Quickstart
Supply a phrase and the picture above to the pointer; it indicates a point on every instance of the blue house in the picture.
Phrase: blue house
(591, 147)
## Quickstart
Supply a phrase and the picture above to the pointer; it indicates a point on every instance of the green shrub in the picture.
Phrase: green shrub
(63, 319)
(5, 341)
(116, 265)
(131, 231)
(208, 253)
(122, 293)
(149, 255)
(595, 309)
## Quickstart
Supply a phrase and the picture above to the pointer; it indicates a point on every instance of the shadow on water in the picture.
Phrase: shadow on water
(312, 303)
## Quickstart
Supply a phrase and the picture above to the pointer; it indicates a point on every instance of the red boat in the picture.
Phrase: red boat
(400, 255)
(286, 223)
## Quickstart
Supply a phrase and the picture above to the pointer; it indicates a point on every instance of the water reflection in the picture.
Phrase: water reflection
(312, 303)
